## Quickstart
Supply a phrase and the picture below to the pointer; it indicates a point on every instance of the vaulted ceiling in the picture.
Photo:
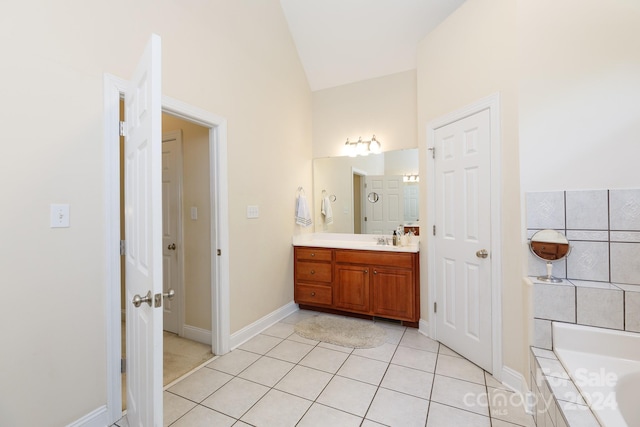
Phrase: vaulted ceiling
(345, 41)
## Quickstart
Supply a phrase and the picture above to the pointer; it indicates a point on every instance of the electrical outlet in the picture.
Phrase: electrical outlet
(60, 216)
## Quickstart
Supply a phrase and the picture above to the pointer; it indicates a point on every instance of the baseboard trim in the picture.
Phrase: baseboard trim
(423, 327)
(194, 333)
(96, 418)
(250, 331)
(515, 381)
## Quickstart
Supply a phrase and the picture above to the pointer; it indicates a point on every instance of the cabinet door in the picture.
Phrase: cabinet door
(393, 293)
(351, 290)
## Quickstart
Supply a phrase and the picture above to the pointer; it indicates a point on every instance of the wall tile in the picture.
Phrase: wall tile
(624, 209)
(587, 210)
(538, 267)
(588, 261)
(625, 263)
(600, 307)
(554, 302)
(625, 236)
(593, 236)
(545, 210)
(542, 333)
(632, 311)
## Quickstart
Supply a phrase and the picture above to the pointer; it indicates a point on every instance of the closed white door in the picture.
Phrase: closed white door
(172, 247)
(384, 203)
(143, 230)
(462, 175)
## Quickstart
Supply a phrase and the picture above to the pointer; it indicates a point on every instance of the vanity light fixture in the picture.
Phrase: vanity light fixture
(411, 178)
(362, 148)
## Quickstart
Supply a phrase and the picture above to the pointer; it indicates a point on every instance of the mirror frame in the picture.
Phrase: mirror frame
(552, 242)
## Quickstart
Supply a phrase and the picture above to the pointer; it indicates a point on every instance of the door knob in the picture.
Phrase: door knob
(172, 247)
(169, 295)
(138, 300)
(482, 253)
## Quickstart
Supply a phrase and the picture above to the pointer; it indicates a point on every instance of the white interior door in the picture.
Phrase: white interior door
(143, 230)
(387, 213)
(462, 182)
(172, 247)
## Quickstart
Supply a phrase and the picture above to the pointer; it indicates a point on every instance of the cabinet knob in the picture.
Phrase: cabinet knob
(313, 272)
(313, 294)
(313, 254)
(366, 271)
(375, 272)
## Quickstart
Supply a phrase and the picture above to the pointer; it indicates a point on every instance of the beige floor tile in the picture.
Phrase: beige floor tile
(340, 348)
(303, 340)
(201, 416)
(492, 382)
(235, 397)
(323, 416)
(457, 367)
(446, 350)
(324, 359)
(414, 358)
(298, 316)
(362, 369)
(234, 362)
(408, 380)
(383, 352)
(279, 330)
(448, 416)
(509, 406)
(304, 382)
(414, 339)
(398, 409)
(460, 394)
(200, 384)
(348, 395)
(260, 344)
(290, 351)
(267, 371)
(174, 407)
(277, 409)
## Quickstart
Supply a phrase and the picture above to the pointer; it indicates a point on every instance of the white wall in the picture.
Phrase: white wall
(469, 56)
(235, 59)
(579, 92)
(385, 106)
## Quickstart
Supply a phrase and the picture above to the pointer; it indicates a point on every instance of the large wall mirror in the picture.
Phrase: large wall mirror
(371, 194)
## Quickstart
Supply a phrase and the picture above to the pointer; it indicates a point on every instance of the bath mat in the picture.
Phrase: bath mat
(341, 331)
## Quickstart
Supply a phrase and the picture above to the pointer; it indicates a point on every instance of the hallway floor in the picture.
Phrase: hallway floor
(281, 379)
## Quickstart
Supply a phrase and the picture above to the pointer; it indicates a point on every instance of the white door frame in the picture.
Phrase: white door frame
(492, 103)
(114, 87)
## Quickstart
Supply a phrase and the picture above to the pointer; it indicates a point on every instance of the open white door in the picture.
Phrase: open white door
(462, 183)
(384, 212)
(143, 231)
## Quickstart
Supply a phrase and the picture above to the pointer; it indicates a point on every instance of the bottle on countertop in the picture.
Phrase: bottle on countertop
(395, 238)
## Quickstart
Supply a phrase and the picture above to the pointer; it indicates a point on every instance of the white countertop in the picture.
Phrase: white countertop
(366, 242)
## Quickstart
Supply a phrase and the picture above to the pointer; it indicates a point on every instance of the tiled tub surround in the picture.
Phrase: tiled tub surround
(600, 287)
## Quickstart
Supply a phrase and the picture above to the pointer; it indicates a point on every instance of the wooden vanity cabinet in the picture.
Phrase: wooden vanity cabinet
(313, 272)
(373, 283)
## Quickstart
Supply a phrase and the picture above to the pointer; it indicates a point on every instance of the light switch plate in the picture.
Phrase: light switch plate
(60, 216)
(253, 212)
(194, 213)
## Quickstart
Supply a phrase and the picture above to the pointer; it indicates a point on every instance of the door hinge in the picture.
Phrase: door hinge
(435, 307)
(123, 250)
(123, 366)
(433, 152)
(219, 252)
(365, 219)
(434, 230)
(123, 128)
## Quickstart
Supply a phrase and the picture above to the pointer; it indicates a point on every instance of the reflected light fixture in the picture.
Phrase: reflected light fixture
(362, 148)
(411, 178)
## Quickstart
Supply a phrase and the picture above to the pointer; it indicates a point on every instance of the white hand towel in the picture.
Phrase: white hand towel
(326, 210)
(303, 214)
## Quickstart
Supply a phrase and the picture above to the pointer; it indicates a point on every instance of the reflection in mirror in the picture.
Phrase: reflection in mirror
(352, 179)
(549, 246)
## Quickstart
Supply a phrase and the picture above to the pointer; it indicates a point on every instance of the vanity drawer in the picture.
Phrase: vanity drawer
(313, 254)
(313, 271)
(313, 294)
(382, 258)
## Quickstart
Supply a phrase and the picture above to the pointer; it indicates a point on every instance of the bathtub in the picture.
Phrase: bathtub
(605, 366)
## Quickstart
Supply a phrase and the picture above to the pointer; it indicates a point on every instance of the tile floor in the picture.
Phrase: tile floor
(281, 379)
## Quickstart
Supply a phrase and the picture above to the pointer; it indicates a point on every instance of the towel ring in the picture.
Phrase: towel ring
(332, 198)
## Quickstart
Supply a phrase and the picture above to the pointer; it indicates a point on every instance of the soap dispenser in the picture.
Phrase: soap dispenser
(395, 238)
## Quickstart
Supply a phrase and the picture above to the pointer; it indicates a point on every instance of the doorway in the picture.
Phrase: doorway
(464, 256)
(218, 263)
